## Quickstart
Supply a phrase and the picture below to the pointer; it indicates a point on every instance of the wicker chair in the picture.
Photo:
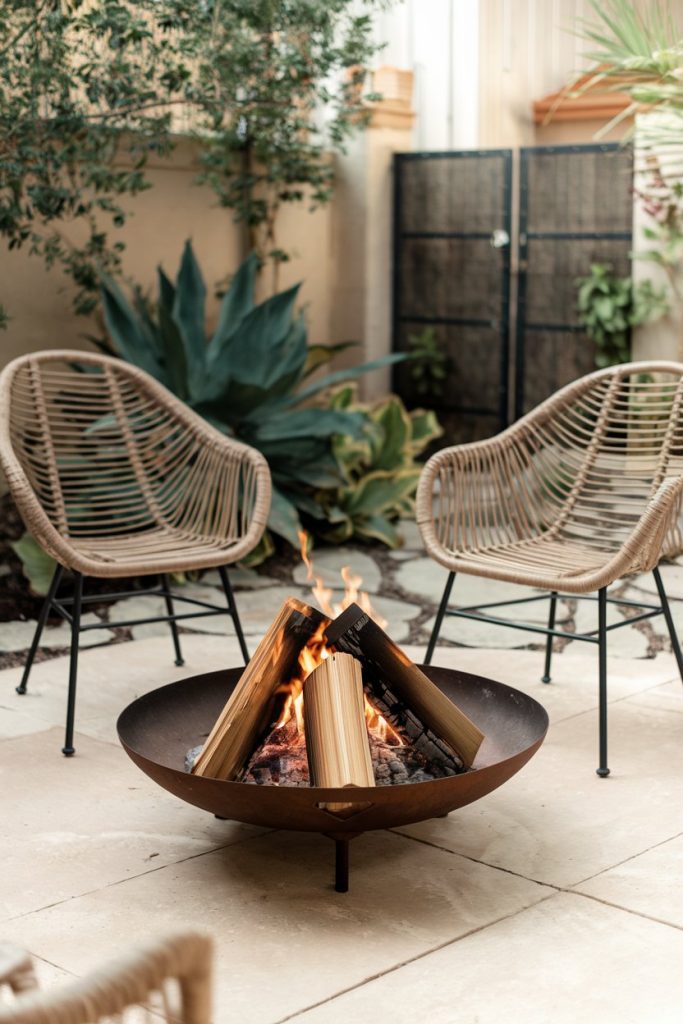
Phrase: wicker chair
(584, 489)
(16, 970)
(115, 477)
(167, 980)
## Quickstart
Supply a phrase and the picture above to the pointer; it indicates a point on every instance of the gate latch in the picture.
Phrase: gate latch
(499, 239)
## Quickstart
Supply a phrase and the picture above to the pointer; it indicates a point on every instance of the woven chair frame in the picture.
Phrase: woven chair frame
(131, 981)
(114, 476)
(584, 489)
(16, 969)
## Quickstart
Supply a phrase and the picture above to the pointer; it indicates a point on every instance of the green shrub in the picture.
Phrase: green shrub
(610, 306)
(380, 470)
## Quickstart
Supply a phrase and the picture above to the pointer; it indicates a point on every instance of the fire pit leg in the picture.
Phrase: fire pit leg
(341, 865)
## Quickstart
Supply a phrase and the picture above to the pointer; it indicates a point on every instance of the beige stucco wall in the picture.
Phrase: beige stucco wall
(174, 209)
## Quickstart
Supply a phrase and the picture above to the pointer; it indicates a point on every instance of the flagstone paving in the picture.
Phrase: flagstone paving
(555, 898)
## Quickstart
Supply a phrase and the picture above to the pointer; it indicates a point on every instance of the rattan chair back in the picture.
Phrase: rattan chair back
(585, 487)
(167, 980)
(105, 465)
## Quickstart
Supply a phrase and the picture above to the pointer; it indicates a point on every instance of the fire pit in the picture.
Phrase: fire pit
(158, 729)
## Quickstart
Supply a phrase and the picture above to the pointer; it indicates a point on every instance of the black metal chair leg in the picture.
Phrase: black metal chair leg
(42, 619)
(664, 601)
(68, 748)
(545, 678)
(232, 608)
(172, 623)
(439, 618)
(603, 770)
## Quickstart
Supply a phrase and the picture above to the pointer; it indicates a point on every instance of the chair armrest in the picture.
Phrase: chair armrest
(642, 550)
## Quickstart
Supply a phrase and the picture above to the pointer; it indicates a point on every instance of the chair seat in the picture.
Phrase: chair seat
(553, 563)
(161, 549)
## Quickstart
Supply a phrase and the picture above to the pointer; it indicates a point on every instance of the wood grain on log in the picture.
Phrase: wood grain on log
(248, 711)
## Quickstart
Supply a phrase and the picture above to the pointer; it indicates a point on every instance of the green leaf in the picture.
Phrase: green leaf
(174, 353)
(378, 528)
(340, 532)
(126, 330)
(189, 315)
(236, 304)
(380, 491)
(166, 290)
(320, 355)
(284, 518)
(425, 428)
(37, 566)
(262, 338)
(394, 446)
(308, 423)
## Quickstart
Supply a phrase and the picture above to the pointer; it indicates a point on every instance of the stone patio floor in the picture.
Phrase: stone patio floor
(556, 898)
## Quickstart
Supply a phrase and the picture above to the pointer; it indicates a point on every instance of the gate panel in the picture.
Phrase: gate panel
(576, 208)
(449, 275)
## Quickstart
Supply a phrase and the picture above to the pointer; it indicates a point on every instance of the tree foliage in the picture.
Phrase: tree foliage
(89, 91)
(84, 94)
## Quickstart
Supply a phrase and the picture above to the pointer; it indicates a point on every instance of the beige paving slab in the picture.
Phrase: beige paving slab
(18, 635)
(75, 824)
(556, 821)
(667, 696)
(410, 535)
(563, 961)
(13, 722)
(284, 939)
(574, 686)
(672, 578)
(109, 679)
(649, 884)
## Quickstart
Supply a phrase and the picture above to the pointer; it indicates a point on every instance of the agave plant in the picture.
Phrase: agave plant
(248, 377)
(380, 470)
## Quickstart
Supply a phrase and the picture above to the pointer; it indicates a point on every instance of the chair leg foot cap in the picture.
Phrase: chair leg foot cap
(179, 662)
(545, 679)
(602, 772)
(20, 689)
(68, 751)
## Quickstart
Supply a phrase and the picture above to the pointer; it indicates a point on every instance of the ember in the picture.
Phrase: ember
(281, 761)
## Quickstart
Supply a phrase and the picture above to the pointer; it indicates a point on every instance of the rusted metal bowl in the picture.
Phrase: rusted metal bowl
(159, 728)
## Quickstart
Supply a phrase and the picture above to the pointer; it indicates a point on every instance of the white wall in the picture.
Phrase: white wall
(439, 41)
(479, 64)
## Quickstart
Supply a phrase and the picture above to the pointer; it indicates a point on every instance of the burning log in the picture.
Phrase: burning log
(249, 710)
(336, 732)
(354, 632)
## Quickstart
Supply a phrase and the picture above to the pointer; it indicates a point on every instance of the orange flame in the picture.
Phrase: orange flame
(315, 651)
(352, 592)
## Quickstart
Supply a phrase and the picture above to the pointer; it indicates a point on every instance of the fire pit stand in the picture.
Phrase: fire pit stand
(160, 727)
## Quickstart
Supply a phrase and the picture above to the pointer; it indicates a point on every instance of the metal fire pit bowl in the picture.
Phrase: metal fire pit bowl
(159, 728)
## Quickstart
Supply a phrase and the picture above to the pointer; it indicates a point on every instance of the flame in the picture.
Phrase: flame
(352, 592)
(315, 651)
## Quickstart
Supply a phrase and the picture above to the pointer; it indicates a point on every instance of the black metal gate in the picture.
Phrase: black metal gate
(575, 208)
(453, 270)
(449, 275)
